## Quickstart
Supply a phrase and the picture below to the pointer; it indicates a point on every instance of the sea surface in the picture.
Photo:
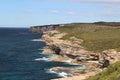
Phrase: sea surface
(21, 56)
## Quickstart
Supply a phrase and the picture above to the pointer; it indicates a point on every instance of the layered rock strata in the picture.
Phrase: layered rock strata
(72, 52)
(44, 28)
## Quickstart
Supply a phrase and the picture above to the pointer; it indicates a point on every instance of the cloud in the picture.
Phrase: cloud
(109, 1)
(55, 11)
(104, 1)
(89, 1)
(71, 12)
(111, 10)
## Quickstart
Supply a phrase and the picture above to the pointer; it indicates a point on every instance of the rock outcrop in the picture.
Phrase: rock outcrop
(72, 52)
(41, 29)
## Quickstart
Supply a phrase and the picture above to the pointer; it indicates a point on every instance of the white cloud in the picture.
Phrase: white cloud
(103, 1)
(85, 1)
(71, 12)
(55, 11)
(111, 10)
(98, 0)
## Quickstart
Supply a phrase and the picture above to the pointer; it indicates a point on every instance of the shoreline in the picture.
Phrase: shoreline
(83, 58)
(79, 77)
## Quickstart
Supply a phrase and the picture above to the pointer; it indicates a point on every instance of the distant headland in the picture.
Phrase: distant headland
(43, 28)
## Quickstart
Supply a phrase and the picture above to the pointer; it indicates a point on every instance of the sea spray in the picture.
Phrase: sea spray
(35, 40)
(46, 58)
(59, 73)
(43, 59)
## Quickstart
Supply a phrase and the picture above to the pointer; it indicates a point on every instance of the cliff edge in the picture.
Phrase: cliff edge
(44, 28)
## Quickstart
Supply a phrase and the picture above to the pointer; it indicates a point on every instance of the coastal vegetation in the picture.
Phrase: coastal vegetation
(111, 73)
(97, 37)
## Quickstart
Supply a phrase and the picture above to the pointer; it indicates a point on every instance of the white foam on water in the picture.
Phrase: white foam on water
(62, 74)
(50, 71)
(52, 56)
(42, 59)
(47, 58)
(40, 49)
(40, 53)
(78, 67)
(36, 40)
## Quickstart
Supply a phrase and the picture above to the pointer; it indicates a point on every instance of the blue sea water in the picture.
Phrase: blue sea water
(18, 53)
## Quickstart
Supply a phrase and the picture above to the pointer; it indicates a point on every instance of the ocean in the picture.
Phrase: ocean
(19, 56)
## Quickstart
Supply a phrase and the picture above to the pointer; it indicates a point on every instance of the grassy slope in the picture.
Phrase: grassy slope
(96, 37)
(111, 73)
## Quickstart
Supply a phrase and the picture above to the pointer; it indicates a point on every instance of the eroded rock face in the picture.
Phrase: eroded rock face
(41, 29)
(106, 63)
(56, 49)
(72, 50)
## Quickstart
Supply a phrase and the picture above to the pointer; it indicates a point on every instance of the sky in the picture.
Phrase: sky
(26, 13)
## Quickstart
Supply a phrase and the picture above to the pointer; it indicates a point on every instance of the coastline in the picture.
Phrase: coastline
(73, 46)
(80, 77)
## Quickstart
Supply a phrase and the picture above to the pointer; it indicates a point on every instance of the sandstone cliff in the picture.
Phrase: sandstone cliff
(72, 52)
(44, 28)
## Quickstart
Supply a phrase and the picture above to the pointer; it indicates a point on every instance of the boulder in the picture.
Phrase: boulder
(105, 63)
(56, 49)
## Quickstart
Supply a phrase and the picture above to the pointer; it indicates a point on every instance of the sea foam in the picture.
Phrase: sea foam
(36, 40)
(42, 59)
(60, 74)
(47, 58)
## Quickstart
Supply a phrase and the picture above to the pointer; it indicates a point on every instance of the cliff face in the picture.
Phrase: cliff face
(41, 29)
(72, 52)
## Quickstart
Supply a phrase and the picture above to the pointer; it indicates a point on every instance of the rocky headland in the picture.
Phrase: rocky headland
(72, 52)
(44, 28)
